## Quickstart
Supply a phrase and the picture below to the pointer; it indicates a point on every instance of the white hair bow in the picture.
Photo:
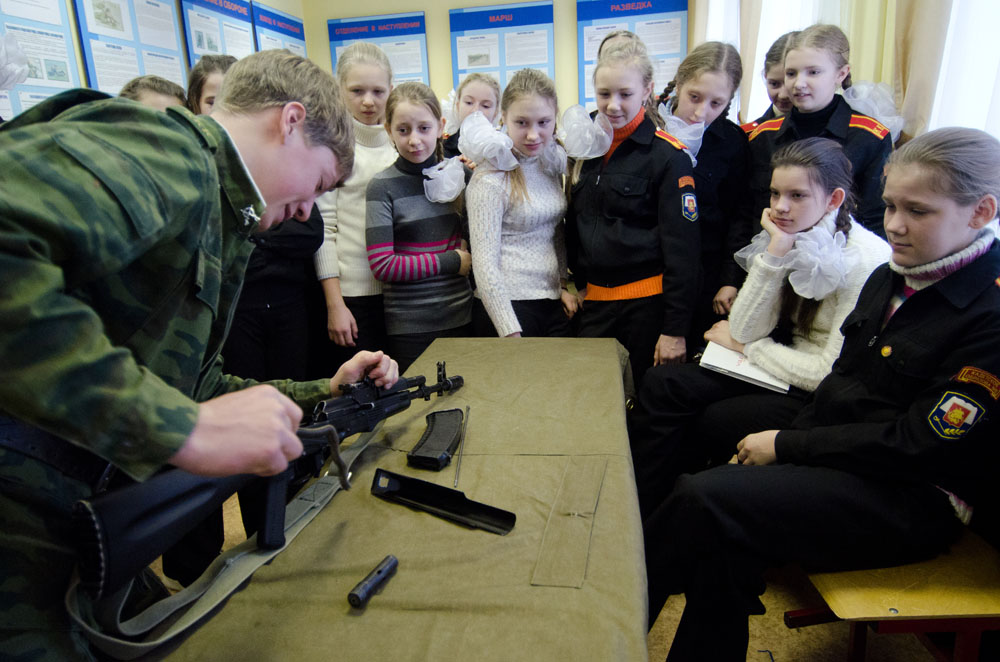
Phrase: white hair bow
(585, 138)
(479, 142)
(818, 262)
(445, 180)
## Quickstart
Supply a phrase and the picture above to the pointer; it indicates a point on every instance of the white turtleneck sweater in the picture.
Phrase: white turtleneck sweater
(518, 250)
(344, 254)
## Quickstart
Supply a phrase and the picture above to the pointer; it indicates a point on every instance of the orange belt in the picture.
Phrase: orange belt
(646, 287)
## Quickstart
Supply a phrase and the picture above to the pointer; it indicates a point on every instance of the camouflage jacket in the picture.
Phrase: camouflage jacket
(123, 241)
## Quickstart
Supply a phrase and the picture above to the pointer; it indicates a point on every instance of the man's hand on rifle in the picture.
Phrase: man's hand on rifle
(377, 365)
(253, 431)
(250, 431)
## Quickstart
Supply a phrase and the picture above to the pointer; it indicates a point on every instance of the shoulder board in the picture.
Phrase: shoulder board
(770, 125)
(445, 136)
(749, 126)
(870, 125)
(660, 133)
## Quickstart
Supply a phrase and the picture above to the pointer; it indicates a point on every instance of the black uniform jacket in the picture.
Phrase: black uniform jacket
(918, 399)
(281, 264)
(722, 185)
(866, 142)
(637, 217)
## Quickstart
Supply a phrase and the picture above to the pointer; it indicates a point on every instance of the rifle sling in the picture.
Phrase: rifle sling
(101, 620)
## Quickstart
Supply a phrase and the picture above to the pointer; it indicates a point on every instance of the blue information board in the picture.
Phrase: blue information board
(43, 32)
(218, 27)
(403, 37)
(122, 39)
(501, 39)
(661, 24)
(276, 29)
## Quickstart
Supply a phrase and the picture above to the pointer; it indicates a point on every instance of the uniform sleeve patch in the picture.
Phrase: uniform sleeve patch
(954, 415)
(686, 180)
(689, 206)
(987, 380)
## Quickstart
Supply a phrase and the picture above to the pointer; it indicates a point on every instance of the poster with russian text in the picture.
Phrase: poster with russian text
(501, 39)
(217, 27)
(660, 24)
(122, 39)
(43, 32)
(276, 29)
(403, 37)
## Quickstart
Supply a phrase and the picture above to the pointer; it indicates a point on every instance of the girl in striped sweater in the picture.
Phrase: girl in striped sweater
(414, 244)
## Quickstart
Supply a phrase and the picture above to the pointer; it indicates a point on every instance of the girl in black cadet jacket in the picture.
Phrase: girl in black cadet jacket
(632, 224)
(774, 80)
(897, 448)
(815, 66)
(695, 113)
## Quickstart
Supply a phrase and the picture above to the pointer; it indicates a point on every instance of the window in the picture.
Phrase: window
(968, 89)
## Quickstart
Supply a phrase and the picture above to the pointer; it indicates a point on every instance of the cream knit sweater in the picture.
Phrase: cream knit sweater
(344, 253)
(810, 357)
(518, 250)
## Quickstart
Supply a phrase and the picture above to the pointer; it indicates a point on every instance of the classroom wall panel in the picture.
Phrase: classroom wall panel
(46, 33)
(78, 67)
(315, 13)
(278, 29)
(436, 16)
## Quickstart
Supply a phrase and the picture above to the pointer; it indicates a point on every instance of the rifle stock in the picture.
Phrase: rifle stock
(124, 530)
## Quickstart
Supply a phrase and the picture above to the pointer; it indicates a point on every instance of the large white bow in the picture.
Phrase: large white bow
(479, 142)
(585, 138)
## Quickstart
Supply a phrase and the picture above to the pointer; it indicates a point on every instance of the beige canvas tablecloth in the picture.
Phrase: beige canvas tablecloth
(546, 440)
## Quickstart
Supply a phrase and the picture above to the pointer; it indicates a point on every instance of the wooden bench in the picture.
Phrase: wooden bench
(957, 592)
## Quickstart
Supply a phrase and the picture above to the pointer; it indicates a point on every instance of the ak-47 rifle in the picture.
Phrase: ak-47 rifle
(125, 530)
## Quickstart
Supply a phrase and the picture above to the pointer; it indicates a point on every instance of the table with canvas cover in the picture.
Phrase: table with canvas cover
(546, 440)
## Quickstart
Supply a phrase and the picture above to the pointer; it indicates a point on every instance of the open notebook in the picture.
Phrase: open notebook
(733, 363)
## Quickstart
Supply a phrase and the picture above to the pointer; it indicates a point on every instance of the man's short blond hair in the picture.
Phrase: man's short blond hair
(271, 79)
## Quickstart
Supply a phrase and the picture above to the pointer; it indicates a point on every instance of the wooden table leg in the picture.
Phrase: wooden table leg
(967, 646)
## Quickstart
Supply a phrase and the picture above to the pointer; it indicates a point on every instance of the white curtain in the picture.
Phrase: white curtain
(777, 18)
(724, 25)
(968, 86)
(752, 26)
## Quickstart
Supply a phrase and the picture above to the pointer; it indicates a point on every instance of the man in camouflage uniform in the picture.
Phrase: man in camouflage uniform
(123, 240)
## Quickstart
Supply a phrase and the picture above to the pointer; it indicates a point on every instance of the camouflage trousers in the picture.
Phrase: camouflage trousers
(36, 561)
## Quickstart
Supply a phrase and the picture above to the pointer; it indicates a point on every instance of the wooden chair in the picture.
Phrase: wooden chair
(957, 592)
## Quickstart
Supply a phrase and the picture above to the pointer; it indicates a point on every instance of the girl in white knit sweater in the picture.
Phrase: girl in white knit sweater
(515, 209)
(805, 271)
(355, 318)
